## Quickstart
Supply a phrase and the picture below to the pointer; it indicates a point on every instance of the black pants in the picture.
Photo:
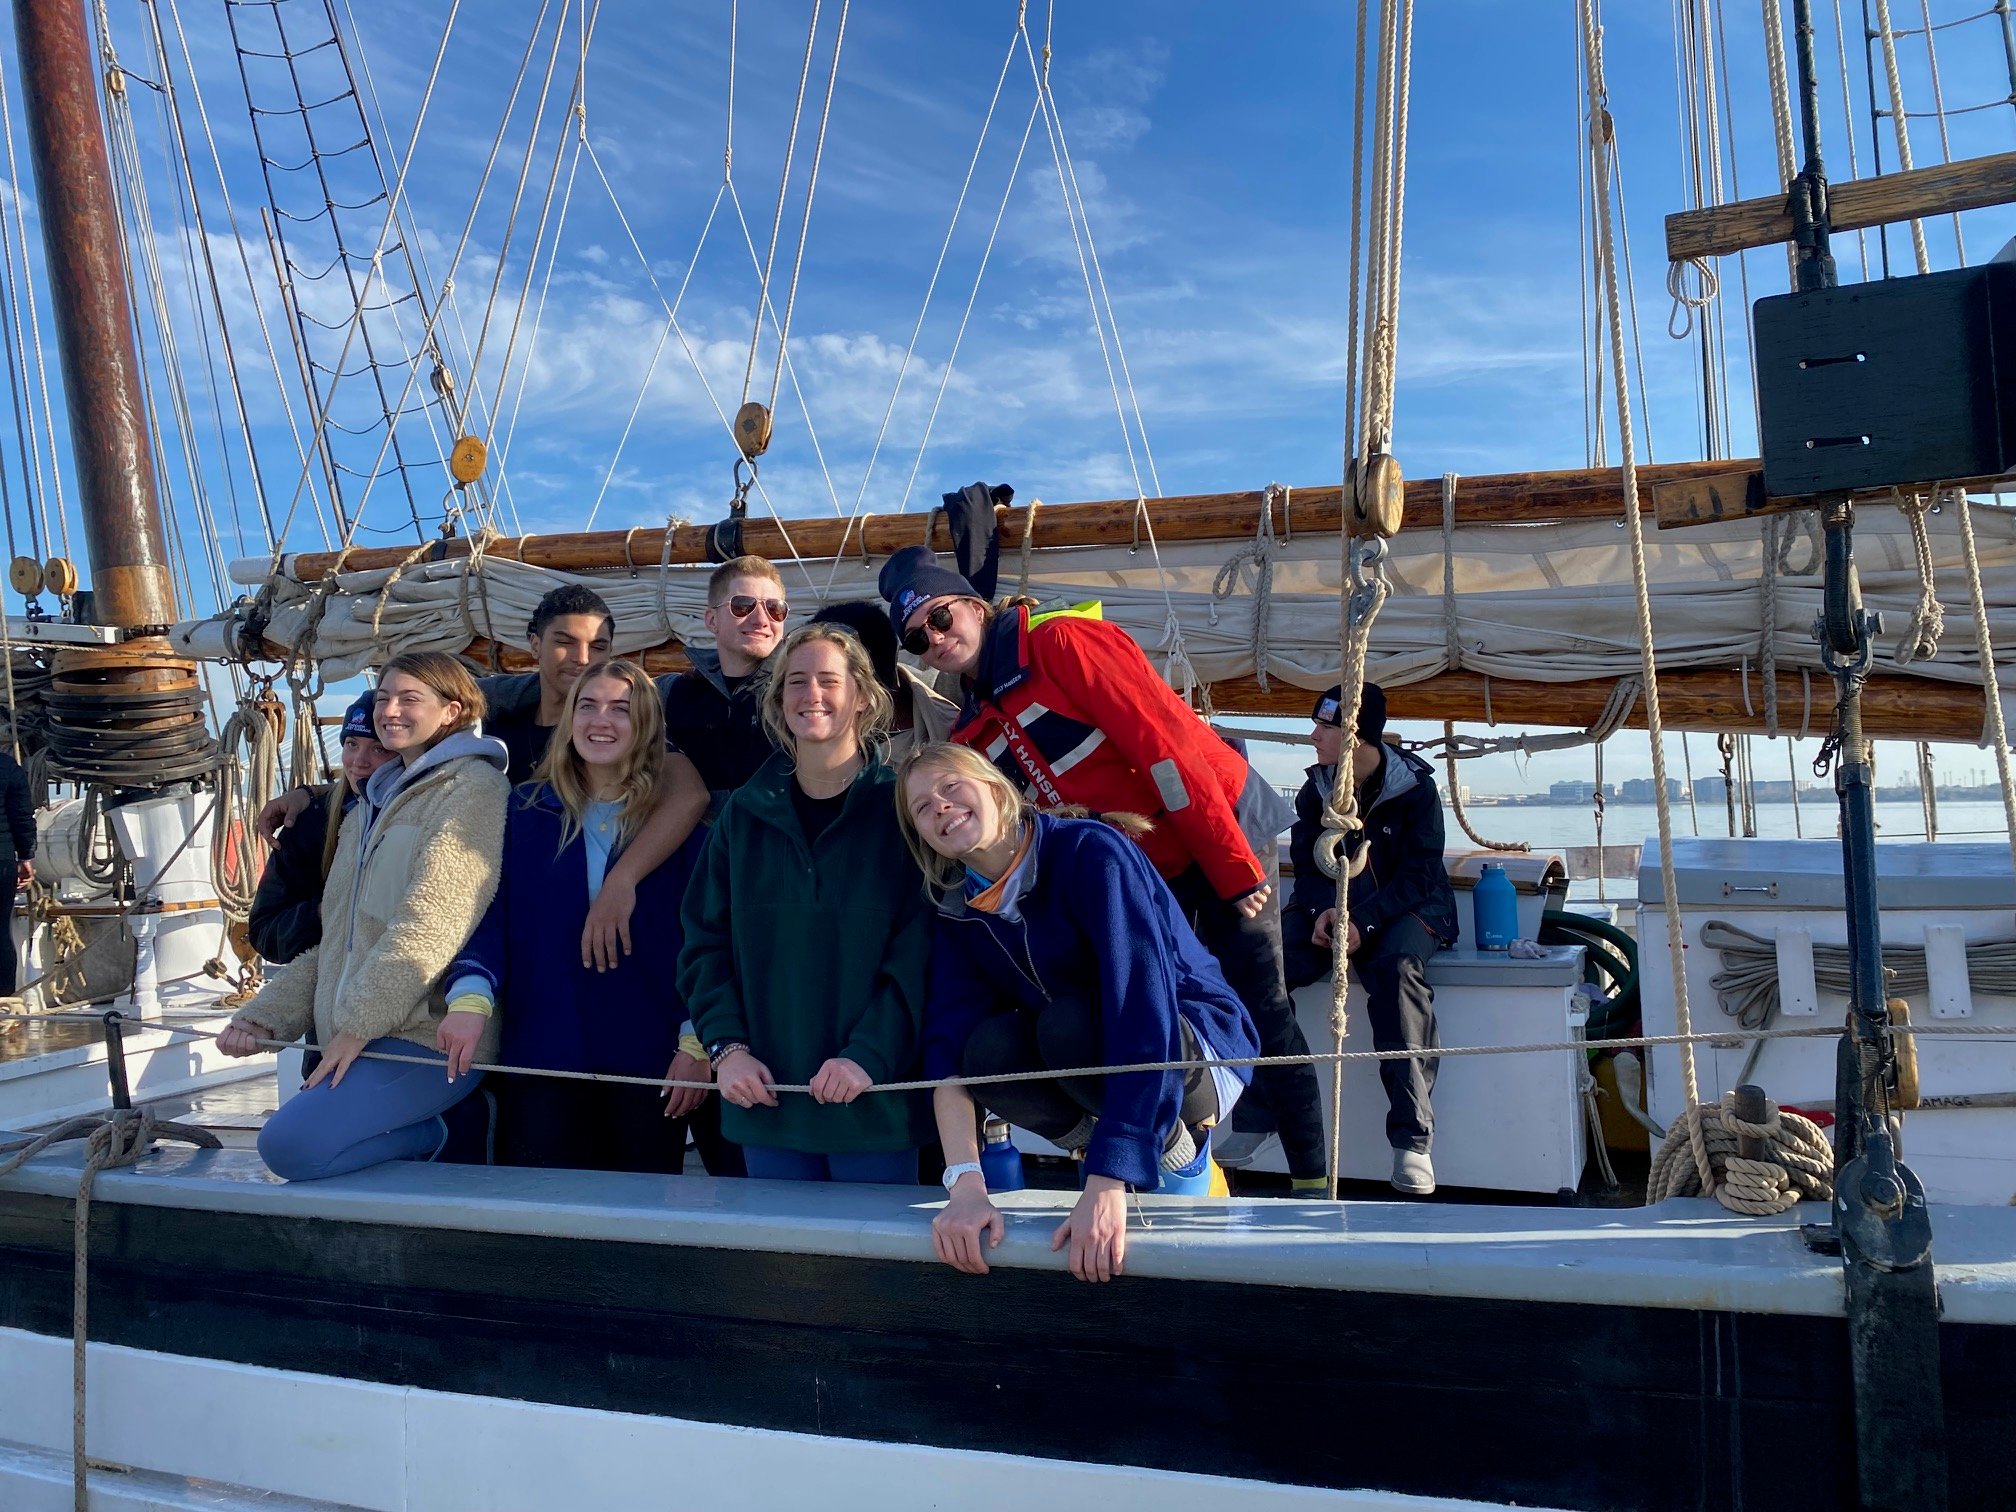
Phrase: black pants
(1393, 969)
(597, 1126)
(10, 961)
(1249, 953)
(1066, 1033)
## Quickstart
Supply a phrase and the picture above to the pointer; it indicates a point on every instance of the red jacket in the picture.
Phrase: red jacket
(1073, 712)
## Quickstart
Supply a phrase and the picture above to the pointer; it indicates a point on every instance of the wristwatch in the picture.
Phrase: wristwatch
(964, 1168)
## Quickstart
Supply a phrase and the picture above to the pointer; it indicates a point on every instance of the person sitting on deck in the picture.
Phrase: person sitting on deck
(594, 792)
(286, 915)
(807, 939)
(414, 869)
(1403, 910)
(919, 714)
(1072, 712)
(715, 711)
(570, 628)
(1056, 945)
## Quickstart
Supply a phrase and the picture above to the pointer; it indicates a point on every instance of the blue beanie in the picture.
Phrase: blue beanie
(912, 578)
(357, 718)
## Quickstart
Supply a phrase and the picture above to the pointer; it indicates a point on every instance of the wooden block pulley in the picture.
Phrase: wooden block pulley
(752, 429)
(1377, 498)
(24, 576)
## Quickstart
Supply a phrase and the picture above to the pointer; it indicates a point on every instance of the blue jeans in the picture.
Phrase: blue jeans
(878, 1167)
(385, 1110)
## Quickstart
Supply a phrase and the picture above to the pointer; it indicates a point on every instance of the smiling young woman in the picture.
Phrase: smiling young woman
(1055, 945)
(593, 793)
(415, 866)
(806, 937)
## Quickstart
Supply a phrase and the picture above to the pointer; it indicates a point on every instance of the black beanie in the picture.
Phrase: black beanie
(912, 578)
(1329, 710)
(871, 628)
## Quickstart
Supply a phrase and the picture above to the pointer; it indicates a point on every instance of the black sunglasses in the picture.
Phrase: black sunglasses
(918, 641)
(743, 605)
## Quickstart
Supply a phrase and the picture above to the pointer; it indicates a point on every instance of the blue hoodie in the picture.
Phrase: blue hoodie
(1092, 920)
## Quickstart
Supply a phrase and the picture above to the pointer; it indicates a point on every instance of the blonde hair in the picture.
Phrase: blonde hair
(741, 566)
(943, 873)
(448, 680)
(643, 768)
(873, 707)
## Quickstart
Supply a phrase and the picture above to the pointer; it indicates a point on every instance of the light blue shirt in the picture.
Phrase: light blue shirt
(600, 827)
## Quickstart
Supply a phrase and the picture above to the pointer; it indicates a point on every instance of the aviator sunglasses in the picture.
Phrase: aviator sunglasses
(918, 641)
(742, 605)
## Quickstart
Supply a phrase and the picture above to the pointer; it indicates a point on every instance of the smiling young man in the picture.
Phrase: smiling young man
(712, 713)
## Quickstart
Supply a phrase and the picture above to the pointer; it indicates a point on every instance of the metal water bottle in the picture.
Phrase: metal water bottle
(1494, 908)
(1000, 1161)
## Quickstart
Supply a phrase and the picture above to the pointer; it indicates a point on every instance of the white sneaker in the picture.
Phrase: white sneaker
(1413, 1173)
(1235, 1151)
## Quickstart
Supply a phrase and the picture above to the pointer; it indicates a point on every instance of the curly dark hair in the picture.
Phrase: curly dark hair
(568, 598)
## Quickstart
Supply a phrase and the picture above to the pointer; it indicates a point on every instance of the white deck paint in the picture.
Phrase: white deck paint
(270, 1434)
(1683, 1253)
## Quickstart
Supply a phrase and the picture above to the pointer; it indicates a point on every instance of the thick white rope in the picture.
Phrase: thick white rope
(805, 218)
(1899, 121)
(1939, 113)
(1600, 136)
(1920, 639)
(938, 266)
(1984, 649)
(783, 189)
(1781, 111)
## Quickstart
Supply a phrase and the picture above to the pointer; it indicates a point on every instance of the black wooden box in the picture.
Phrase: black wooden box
(1906, 381)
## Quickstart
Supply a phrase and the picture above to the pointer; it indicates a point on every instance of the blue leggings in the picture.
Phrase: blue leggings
(878, 1167)
(385, 1110)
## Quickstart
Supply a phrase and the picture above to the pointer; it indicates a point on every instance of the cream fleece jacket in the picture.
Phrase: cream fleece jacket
(395, 916)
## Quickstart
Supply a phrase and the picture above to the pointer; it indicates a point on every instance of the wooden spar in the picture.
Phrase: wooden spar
(1711, 700)
(94, 321)
(1852, 205)
(1487, 499)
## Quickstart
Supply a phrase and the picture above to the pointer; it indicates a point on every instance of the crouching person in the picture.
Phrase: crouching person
(415, 866)
(1402, 910)
(807, 938)
(595, 790)
(1057, 946)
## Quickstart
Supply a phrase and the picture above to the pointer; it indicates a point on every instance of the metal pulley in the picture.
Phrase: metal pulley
(752, 429)
(1376, 499)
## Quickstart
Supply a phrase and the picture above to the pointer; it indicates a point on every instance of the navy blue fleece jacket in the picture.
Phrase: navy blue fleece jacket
(1095, 922)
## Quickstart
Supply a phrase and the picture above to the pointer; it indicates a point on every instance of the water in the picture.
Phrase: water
(1547, 828)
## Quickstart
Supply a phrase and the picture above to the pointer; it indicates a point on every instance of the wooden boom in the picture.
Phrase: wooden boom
(1852, 205)
(1712, 700)
(1529, 498)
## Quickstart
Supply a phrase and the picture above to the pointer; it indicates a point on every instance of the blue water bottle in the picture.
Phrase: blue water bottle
(1000, 1161)
(1494, 907)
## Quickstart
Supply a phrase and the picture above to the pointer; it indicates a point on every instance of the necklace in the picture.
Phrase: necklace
(840, 786)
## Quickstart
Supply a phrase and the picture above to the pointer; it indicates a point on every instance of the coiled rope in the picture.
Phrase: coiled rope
(1701, 1156)
(1747, 985)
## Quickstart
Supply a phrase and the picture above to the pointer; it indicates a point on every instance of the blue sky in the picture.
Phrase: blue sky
(1209, 143)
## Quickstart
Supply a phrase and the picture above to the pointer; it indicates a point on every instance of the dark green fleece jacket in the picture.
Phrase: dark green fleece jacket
(807, 952)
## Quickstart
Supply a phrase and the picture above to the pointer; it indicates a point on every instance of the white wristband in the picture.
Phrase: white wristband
(965, 1168)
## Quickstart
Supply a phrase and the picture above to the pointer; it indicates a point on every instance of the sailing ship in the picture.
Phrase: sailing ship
(456, 1336)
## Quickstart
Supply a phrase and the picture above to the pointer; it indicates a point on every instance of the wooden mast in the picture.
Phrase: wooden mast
(107, 407)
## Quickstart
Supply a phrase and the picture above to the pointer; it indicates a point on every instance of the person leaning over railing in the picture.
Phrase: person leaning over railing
(1056, 945)
(415, 867)
(807, 939)
(594, 791)
(1072, 712)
